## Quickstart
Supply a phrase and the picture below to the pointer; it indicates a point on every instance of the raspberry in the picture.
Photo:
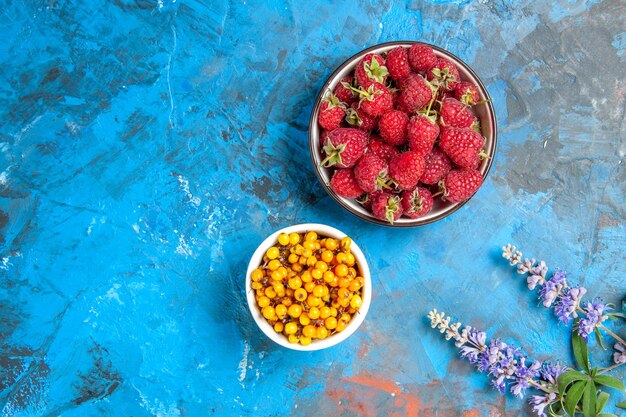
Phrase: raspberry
(416, 93)
(386, 206)
(371, 173)
(437, 167)
(343, 93)
(467, 93)
(371, 69)
(359, 118)
(422, 134)
(344, 146)
(381, 149)
(376, 100)
(417, 203)
(398, 63)
(344, 184)
(461, 184)
(444, 74)
(422, 57)
(406, 169)
(331, 113)
(453, 113)
(393, 127)
(462, 146)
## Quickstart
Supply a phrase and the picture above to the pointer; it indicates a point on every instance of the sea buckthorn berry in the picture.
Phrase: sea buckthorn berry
(331, 244)
(291, 328)
(317, 274)
(321, 333)
(268, 312)
(308, 245)
(278, 287)
(272, 252)
(279, 326)
(274, 264)
(341, 326)
(293, 338)
(306, 276)
(350, 260)
(308, 331)
(334, 282)
(314, 313)
(327, 256)
(304, 319)
(341, 270)
(311, 261)
(345, 317)
(333, 311)
(283, 271)
(307, 252)
(263, 301)
(309, 286)
(283, 239)
(261, 291)
(299, 250)
(256, 285)
(344, 302)
(313, 301)
(270, 292)
(321, 265)
(310, 236)
(345, 243)
(340, 258)
(356, 301)
(295, 310)
(305, 341)
(352, 272)
(343, 293)
(324, 312)
(294, 238)
(328, 277)
(354, 286)
(302, 260)
(296, 267)
(344, 282)
(281, 311)
(277, 276)
(318, 246)
(300, 294)
(335, 304)
(287, 301)
(330, 323)
(257, 275)
(318, 291)
(295, 283)
(293, 258)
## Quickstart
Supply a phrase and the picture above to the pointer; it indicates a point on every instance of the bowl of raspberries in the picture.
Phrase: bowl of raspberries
(402, 134)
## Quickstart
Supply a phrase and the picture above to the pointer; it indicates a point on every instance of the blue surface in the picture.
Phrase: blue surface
(147, 148)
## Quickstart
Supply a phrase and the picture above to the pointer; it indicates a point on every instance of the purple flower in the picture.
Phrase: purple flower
(523, 375)
(550, 373)
(595, 316)
(565, 307)
(537, 275)
(553, 288)
(472, 351)
(619, 356)
(540, 402)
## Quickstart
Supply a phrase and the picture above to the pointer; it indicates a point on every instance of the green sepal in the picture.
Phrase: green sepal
(375, 71)
(393, 205)
(352, 117)
(333, 154)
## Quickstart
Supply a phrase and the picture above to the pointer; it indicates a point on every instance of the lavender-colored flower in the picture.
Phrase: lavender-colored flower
(523, 375)
(595, 316)
(537, 275)
(526, 266)
(553, 288)
(540, 402)
(565, 307)
(619, 356)
(550, 373)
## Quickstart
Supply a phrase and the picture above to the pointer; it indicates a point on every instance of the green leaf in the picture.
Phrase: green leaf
(620, 315)
(606, 415)
(589, 400)
(567, 378)
(573, 396)
(609, 381)
(580, 349)
(599, 338)
(603, 397)
(622, 405)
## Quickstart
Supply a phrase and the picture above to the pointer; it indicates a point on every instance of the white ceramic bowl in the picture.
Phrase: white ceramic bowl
(257, 259)
(485, 113)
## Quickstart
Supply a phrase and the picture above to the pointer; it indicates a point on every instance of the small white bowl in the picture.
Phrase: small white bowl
(257, 259)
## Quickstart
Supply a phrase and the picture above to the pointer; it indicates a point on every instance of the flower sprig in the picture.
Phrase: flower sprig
(566, 300)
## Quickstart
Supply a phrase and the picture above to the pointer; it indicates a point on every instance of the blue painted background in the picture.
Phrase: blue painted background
(147, 147)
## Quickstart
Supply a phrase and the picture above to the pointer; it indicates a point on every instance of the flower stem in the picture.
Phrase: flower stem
(616, 337)
(610, 368)
(539, 386)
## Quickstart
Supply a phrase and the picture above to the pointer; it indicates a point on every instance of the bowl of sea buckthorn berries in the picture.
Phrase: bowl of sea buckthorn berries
(402, 134)
(308, 287)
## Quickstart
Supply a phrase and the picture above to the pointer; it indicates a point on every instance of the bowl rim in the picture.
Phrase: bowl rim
(313, 120)
(264, 326)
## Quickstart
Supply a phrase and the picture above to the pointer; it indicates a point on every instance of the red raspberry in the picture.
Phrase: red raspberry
(453, 113)
(386, 206)
(445, 74)
(343, 93)
(344, 146)
(422, 57)
(462, 146)
(437, 167)
(323, 136)
(371, 173)
(371, 69)
(359, 118)
(381, 149)
(392, 127)
(467, 93)
(398, 63)
(376, 100)
(406, 169)
(422, 134)
(331, 113)
(344, 184)
(416, 93)
(417, 203)
(461, 184)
